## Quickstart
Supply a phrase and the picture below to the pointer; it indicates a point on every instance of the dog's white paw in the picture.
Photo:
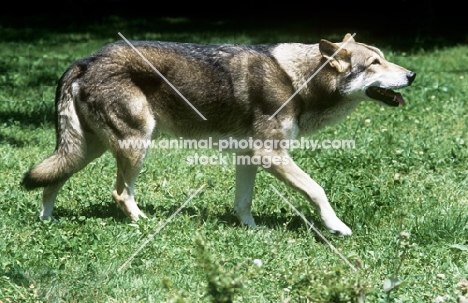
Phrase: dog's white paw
(127, 204)
(136, 214)
(48, 218)
(247, 219)
(44, 218)
(336, 226)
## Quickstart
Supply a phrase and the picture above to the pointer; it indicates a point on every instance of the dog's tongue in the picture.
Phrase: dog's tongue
(399, 98)
(385, 95)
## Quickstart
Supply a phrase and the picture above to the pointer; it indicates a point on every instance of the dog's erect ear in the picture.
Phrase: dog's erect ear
(339, 61)
(348, 38)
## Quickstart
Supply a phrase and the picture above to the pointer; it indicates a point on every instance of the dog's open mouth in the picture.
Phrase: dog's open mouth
(385, 95)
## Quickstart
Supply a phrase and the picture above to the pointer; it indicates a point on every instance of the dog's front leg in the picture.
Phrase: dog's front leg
(245, 180)
(288, 172)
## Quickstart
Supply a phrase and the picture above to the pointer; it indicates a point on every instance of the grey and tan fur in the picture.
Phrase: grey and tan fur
(115, 95)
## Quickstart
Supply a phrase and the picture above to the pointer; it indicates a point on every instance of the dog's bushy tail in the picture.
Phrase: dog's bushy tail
(70, 145)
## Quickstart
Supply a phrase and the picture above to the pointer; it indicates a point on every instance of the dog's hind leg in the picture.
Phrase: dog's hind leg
(49, 194)
(288, 172)
(245, 180)
(130, 127)
(129, 163)
(94, 149)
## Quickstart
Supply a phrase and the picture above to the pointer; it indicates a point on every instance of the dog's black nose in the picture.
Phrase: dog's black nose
(411, 76)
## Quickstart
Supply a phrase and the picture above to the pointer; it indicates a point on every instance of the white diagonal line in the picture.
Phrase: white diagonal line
(159, 229)
(161, 75)
(310, 78)
(315, 229)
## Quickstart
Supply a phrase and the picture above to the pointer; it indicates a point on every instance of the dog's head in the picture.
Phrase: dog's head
(364, 73)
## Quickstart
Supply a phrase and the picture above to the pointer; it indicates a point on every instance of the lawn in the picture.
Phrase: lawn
(403, 190)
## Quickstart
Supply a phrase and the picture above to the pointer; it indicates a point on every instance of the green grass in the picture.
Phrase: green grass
(408, 172)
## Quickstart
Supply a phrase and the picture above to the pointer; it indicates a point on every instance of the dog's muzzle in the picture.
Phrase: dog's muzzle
(387, 95)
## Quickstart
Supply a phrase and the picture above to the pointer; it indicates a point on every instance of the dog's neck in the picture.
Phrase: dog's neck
(297, 60)
(312, 120)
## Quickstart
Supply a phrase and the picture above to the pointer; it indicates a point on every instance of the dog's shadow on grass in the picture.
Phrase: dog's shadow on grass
(227, 217)
(94, 211)
(224, 216)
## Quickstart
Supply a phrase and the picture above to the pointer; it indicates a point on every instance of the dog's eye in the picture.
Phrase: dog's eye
(376, 61)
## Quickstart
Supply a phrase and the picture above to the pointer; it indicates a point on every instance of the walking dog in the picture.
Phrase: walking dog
(235, 91)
